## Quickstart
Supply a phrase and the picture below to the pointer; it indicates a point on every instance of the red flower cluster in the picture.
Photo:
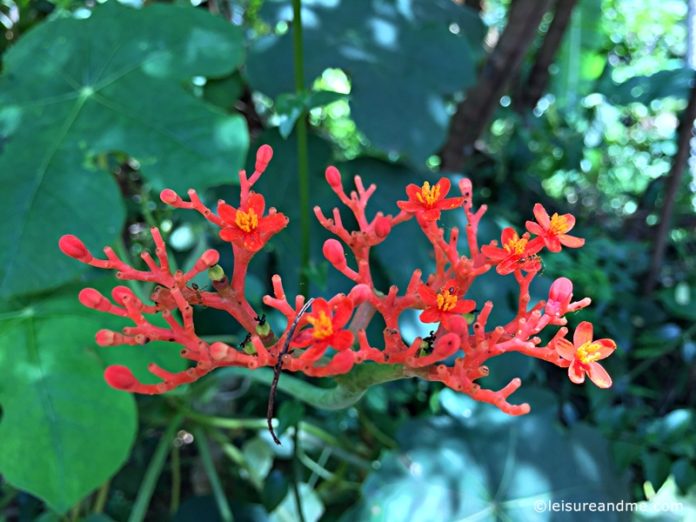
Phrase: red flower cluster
(330, 339)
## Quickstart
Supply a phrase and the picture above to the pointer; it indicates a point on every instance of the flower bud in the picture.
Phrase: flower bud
(210, 257)
(105, 337)
(334, 253)
(382, 227)
(71, 246)
(216, 273)
(333, 176)
(560, 294)
(263, 157)
(92, 298)
(263, 329)
(120, 377)
(446, 345)
(169, 197)
(360, 293)
(121, 294)
(218, 351)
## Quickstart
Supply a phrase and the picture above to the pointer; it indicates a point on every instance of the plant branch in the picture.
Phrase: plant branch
(475, 112)
(672, 182)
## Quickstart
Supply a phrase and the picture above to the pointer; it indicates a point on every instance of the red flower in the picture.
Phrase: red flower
(583, 354)
(327, 325)
(427, 201)
(247, 227)
(517, 253)
(552, 230)
(443, 305)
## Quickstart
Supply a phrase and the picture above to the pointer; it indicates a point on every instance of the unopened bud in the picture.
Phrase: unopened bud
(216, 273)
(263, 157)
(249, 348)
(334, 253)
(71, 246)
(120, 377)
(263, 329)
(210, 257)
(333, 176)
(218, 351)
(169, 197)
(92, 298)
(382, 227)
(105, 337)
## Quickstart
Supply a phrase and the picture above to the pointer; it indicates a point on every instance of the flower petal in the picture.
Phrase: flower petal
(507, 235)
(427, 294)
(444, 185)
(565, 349)
(576, 372)
(599, 375)
(493, 252)
(552, 243)
(256, 202)
(534, 228)
(541, 216)
(606, 347)
(430, 315)
(583, 334)
(570, 221)
(227, 212)
(344, 309)
(571, 241)
(342, 340)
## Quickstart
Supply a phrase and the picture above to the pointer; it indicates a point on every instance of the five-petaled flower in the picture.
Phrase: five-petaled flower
(552, 231)
(327, 321)
(517, 253)
(443, 305)
(428, 200)
(583, 354)
(246, 226)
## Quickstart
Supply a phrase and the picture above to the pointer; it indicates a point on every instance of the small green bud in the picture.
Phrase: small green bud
(263, 329)
(216, 273)
(248, 348)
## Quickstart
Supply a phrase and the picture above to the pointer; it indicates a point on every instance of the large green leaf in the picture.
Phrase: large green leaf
(73, 90)
(398, 103)
(63, 430)
(490, 467)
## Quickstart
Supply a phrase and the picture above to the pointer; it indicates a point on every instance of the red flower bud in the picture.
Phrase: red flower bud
(382, 227)
(263, 157)
(334, 253)
(120, 377)
(121, 294)
(560, 294)
(446, 345)
(169, 197)
(92, 298)
(210, 257)
(333, 176)
(360, 293)
(218, 351)
(105, 338)
(71, 246)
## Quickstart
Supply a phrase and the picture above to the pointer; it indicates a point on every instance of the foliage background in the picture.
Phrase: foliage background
(103, 105)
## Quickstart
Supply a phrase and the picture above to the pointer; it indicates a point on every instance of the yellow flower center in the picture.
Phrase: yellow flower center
(516, 245)
(429, 195)
(588, 352)
(246, 221)
(559, 224)
(446, 301)
(323, 327)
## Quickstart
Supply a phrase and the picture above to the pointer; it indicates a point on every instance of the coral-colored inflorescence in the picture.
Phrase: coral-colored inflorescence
(330, 338)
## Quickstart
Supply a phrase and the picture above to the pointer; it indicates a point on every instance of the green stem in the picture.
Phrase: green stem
(215, 484)
(296, 472)
(351, 386)
(176, 481)
(302, 152)
(102, 495)
(154, 469)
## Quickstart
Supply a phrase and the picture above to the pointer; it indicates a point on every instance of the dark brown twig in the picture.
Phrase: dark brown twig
(279, 367)
(672, 182)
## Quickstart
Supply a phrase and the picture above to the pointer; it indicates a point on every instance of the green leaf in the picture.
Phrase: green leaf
(674, 83)
(289, 414)
(399, 104)
(312, 508)
(489, 472)
(73, 90)
(64, 432)
(259, 457)
(290, 107)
